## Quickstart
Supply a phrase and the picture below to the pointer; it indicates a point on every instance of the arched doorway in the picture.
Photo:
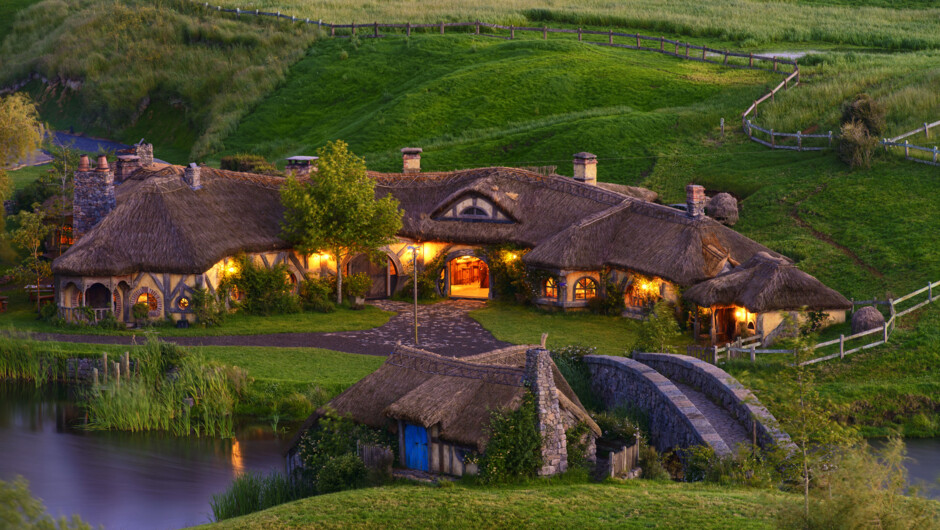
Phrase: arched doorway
(98, 297)
(468, 277)
(384, 274)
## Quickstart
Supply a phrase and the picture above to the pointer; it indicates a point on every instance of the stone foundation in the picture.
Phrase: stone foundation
(538, 374)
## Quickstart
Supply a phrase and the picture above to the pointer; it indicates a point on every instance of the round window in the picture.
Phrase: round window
(183, 303)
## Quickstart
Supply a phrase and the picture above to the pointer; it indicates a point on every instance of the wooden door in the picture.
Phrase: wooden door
(380, 274)
(416, 447)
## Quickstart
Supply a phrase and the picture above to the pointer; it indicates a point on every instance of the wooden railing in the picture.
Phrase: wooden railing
(894, 142)
(74, 315)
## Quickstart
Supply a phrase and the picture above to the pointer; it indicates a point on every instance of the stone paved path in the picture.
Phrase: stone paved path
(730, 430)
(444, 328)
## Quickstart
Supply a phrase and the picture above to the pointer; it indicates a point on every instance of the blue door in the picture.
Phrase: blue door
(416, 447)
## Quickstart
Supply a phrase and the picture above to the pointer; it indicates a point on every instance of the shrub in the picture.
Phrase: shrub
(335, 436)
(867, 112)
(340, 473)
(856, 145)
(357, 285)
(611, 303)
(110, 322)
(576, 441)
(316, 294)
(651, 465)
(49, 312)
(616, 426)
(265, 291)
(19, 509)
(249, 164)
(659, 329)
(569, 361)
(514, 447)
(141, 311)
(207, 308)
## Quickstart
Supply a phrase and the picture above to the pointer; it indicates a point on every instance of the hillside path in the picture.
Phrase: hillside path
(444, 328)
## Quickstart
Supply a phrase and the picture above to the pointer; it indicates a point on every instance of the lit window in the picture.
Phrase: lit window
(149, 299)
(473, 211)
(183, 303)
(551, 288)
(585, 288)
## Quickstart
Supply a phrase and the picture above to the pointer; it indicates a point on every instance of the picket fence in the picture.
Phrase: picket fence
(749, 346)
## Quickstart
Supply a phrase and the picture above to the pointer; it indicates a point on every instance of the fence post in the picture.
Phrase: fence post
(638, 41)
(579, 34)
(238, 13)
(830, 138)
(353, 27)
(935, 154)
(886, 332)
(773, 139)
(842, 346)
(94, 375)
(775, 63)
(726, 57)
(884, 142)
(478, 27)
(722, 126)
(332, 30)
(375, 30)
(104, 366)
(714, 354)
(753, 354)
(930, 287)
(544, 32)
(907, 150)
(750, 60)
(703, 53)
(442, 28)
(926, 131)
(408, 29)
(676, 50)
(687, 50)
(610, 37)
(661, 43)
(799, 141)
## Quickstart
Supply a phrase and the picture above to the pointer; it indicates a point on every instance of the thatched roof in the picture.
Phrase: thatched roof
(766, 283)
(648, 238)
(163, 225)
(427, 389)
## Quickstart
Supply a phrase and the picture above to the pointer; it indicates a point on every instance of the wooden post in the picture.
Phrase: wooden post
(842, 346)
(703, 52)
(332, 31)
(687, 50)
(478, 27)
(726, 57)
(799, 141)
(907, 149)
(750, 60)
(127, 363)
(712, 332)
(117, 374)
(544, 33)
(722, 126)
(934, 154)
(753, 354)
(94, 375)
(610, 37)
(714, 354)
(830, 138)
(930, 287)
(375, 30)
(442, 28)
(660, 43)
(579, 34)
(773, 139)
(886, 332)
(638, 41)
(104, 366)
(408, 29)
(926, 131)
(775, 63)
(512, 32)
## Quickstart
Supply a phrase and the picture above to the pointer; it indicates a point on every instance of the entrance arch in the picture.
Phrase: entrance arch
(98, 297)
(384, 275)
(466, 276)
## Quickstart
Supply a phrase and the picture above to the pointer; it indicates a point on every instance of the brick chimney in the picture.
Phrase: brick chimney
(538, 375)
(695, 201)
(585, 168)
(192, 176)
(125, 166)
(302, 166)
(93, 198)
(145, 152)
(411, 159)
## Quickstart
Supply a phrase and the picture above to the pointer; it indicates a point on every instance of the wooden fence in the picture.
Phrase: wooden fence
(894, 142)
(75, 315)
(748, 347)
(618, 462)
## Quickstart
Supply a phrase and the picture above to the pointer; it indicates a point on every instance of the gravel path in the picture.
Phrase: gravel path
(730, 430)
(444, 328)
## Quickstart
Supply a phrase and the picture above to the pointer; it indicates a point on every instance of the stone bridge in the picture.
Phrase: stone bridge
(688, 401)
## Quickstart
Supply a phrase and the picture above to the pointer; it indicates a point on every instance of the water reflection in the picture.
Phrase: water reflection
(116, 479)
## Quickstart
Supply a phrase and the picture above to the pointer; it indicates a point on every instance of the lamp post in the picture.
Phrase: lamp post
(414, 266)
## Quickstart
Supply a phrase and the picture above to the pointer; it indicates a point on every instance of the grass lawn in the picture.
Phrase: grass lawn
(633, 504)
(521, 325)
(23, 176)
(21, 315)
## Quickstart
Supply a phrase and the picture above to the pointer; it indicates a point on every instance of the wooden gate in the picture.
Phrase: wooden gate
(416, 447)
(383, 275)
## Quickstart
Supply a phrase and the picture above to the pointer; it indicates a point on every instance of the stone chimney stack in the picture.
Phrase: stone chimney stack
(125, 166)
(302, 166)
(93, 199)
(585, 168)
(193, 176)
(538, 374)
(411, 159)
(145, 152)
(695, 201)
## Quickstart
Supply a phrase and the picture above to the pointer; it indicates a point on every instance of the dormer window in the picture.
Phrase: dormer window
(474, 208)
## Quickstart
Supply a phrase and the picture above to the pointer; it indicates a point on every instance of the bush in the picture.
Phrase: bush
(265, 291)
(514, 447)
(569, 361)
(316, 294)
(49, 312)
(576, 441)
(110, 322)
(617, 427)
(611, 303)
(659, 329)
(332, 437)
(856, 145)
(357, 285)
(19, 509)
(141, 311)
(867, 112)
(340, 473)
(651, 465)
(249, 164)
(207, 308)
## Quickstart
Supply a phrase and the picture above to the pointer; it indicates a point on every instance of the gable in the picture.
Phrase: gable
(473, 208)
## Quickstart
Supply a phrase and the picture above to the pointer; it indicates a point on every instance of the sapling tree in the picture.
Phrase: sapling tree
(659, 330)
(29, 235)
(336, 211)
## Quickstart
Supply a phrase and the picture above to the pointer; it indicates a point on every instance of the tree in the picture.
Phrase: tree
(336, 211)
(659, 330)
(20, 133)
(29, 235)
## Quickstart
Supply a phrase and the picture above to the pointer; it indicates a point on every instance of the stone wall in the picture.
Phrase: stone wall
(721, 388)
(674, 421)
(538, 374)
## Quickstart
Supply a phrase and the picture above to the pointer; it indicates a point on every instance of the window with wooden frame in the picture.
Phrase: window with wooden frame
(585, 288)
(550, 289)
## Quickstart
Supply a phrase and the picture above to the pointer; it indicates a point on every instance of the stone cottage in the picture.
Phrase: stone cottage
(440, 407)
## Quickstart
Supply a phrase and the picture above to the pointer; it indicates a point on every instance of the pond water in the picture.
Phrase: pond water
(924, 464)
(119, 480)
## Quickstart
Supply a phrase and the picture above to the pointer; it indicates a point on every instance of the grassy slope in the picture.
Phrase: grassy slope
(8, 10)
(21, 315)
(634, 504)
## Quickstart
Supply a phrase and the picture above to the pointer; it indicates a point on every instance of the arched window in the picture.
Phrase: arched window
(584, 289)
(473, 211)
(149, 299)
(551, 288)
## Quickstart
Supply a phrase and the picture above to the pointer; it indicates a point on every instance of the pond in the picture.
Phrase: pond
(119, 480)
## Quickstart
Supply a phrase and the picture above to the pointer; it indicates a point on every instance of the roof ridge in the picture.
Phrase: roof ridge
(431, 363)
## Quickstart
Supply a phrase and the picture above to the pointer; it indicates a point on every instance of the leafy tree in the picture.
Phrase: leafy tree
(19, 509)
(20, 133)
(30, 233)
(659, 330)
(336, 211)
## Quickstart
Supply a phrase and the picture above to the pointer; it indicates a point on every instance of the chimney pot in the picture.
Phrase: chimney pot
(192, 175)
(411, 159)
(585, 168)
(84, 164)
(695, 201)
(102, 164)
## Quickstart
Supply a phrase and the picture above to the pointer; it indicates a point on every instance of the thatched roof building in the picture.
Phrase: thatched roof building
(767, 283)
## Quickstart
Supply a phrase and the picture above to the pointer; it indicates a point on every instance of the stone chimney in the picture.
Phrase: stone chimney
(193, 176)
(302, 166)
(585, 168)
(145, 152)
(125, 166)
(538, 375)
(695, 201)
(411, 159)
(93, 199)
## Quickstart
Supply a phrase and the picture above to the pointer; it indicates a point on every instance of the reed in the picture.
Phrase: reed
(29, 360)
(252, 492)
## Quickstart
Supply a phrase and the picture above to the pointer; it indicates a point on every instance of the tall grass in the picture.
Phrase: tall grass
(21, 358)
(253, 492)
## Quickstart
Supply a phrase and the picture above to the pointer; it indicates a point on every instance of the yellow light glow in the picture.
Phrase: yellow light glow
(238, 465)
(231, 269)
(324, 256)
(740, 314)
